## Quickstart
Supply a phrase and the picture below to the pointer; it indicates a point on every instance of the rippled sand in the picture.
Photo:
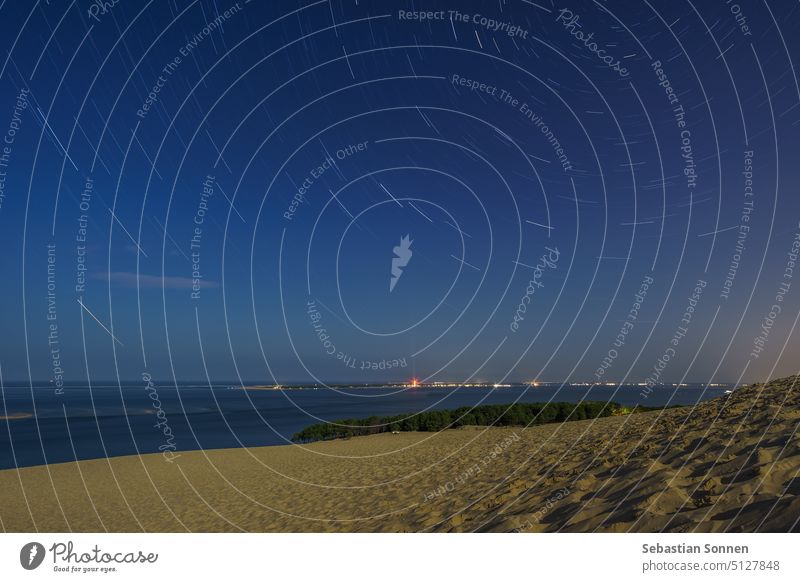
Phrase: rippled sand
(730, 464)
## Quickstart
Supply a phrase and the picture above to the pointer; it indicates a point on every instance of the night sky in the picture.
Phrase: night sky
(355, 191)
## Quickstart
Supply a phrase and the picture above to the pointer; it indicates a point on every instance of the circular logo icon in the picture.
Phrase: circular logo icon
(31, 555)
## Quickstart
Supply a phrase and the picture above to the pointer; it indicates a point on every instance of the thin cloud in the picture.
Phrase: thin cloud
(142, 280)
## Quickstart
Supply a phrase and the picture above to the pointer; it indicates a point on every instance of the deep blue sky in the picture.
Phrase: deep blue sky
(256, 103)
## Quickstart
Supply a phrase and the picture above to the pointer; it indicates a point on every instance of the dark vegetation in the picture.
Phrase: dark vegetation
(519, 414)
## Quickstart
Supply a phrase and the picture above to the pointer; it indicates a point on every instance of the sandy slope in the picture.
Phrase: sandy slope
(730, 464)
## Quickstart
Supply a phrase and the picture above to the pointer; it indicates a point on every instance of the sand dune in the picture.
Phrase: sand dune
(730, 464)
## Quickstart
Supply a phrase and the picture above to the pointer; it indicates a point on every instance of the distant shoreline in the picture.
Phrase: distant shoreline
(127, 384)
(440, 385)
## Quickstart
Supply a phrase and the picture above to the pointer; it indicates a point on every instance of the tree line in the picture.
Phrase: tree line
(518, 414)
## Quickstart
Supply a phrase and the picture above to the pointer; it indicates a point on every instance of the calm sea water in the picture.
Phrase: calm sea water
(111, 421)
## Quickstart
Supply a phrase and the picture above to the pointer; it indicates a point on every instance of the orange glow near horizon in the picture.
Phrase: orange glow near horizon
(414, 382)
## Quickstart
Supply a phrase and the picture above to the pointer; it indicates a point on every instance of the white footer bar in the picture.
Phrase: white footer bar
(400, 557)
